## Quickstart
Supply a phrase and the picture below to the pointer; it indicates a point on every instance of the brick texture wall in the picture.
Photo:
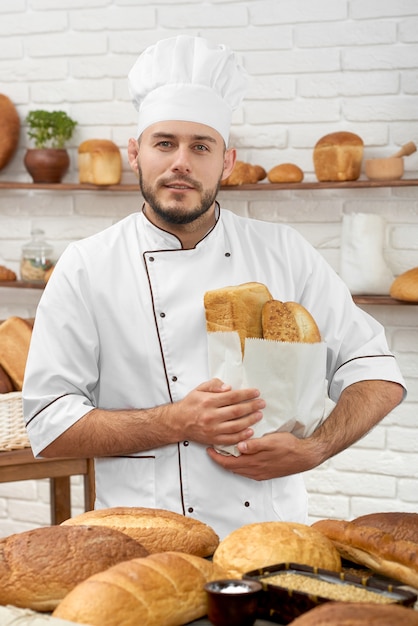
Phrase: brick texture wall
(315, 67)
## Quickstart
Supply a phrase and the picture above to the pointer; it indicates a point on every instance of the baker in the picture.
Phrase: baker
(118, 364)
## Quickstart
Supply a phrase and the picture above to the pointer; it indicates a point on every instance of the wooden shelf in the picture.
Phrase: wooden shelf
(262, 186)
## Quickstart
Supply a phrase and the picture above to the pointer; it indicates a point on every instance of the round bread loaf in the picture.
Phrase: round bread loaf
(9, 130)
(157, 530)
(7, 274)
(245, 174)
(405, 286)
(39, 567)
(338, 157)
(288, 321)
(358, 614)
(285, 173)
(269, 543)
(99, 162)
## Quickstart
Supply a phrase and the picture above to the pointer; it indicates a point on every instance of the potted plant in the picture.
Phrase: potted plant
(48, 161)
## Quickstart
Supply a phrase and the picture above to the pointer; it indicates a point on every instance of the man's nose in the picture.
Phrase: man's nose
(181, 162)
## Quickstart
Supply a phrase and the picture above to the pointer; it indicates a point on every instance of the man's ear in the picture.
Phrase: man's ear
(133, 151)
(229, 162)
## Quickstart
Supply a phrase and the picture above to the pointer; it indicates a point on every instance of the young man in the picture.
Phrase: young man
(118, 366)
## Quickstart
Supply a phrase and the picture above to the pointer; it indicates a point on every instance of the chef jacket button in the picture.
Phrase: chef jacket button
(185, 443)
(162, 314)
(151, 259)
(227, 254)
(246, 503)
(190, 509)
(174, 379)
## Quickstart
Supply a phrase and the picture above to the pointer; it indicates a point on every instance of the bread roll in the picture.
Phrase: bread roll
(39, 567)
(338, 157)
(386, 543)
(9, 130)
(99, 162)
(269, 543)
(405, 286)
(7, 274)
(236, 308)
(157, 530)
(161, 589)
(15, 336)
(245, 174)
(358, 614)
(285, 173)
(6, 383)
(288, 321)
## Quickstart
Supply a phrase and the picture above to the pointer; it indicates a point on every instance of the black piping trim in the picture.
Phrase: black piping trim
(46, 406)
(367, 356)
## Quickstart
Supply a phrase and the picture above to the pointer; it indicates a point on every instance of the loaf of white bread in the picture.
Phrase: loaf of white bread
(158, 530)
(15, 336)
(99, 162)
(253, 546)
(338, 157)
(161, 589)
(385, 543)
(358, 614)
(405, 286)
(250, 310)
(39, 567)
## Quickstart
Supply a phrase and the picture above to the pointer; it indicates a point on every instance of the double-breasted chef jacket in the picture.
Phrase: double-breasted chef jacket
(121, 325)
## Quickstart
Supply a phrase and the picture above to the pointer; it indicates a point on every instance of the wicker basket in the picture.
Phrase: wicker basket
(13, 435)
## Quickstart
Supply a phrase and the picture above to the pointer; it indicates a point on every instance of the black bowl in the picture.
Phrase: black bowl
(233, 602)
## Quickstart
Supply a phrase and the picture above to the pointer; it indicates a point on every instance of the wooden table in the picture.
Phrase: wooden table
(16, 465)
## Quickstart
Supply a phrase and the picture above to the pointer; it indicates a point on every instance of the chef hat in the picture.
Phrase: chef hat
(187, 78)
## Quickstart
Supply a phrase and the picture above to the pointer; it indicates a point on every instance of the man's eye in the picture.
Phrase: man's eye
(201, 148)
(164, 144)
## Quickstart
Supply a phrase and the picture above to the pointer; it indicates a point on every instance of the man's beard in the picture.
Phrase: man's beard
(171, 214)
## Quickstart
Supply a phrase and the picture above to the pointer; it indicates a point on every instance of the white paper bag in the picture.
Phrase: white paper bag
(290, 377)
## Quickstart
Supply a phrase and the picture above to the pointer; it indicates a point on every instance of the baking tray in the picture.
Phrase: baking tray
(281, 605)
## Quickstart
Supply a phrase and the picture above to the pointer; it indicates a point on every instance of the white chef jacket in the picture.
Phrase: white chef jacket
(121, 325)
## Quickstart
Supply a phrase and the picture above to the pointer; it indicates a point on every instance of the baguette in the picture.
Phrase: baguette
(358, 614)
(157, 530)
(39, 567)
(165, 588)
(15, 336)
(386, 543)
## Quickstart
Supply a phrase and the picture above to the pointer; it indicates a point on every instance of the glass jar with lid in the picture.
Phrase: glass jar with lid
(36, 257)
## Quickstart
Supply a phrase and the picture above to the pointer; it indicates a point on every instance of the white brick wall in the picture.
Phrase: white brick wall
(314, 67)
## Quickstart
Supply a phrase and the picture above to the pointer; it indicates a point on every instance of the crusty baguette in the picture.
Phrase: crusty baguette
(358, 614)
(378, 548)
(39, 567)
(267, 543)
(158, 530)
(15, 336)
(165, 588)
(237, 308)
(289, 321)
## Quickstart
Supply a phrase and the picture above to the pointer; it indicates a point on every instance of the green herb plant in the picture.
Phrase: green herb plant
(50, 129)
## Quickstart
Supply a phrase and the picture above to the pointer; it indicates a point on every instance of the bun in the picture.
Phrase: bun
(9, 130)
(7, 274)
(358, 614)
(15, 336)
(245, 174)
(405, 286)
(269, 543)
(99, 162)
(289, 321)
(157, 530)
(39, 567)
(165, 588)
(386, 543)
(338, 157)
(285, 173)
(236, 308)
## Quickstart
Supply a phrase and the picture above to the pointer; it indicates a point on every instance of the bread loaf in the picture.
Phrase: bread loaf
(237, 308)
(245, 174)
(6, 384)
(99, 162)
(358, 614)
(386, 543)
(161, 589)
(9, 130)
(268, 543)
(338, 157)
(405, 286)
(288, 321)
(15, 336)
(7, 274)
(157, 530)
(285, 173)
(39, 567)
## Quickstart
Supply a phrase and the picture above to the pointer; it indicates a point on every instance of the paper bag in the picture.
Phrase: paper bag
(291, 378)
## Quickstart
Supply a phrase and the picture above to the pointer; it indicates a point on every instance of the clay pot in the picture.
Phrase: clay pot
(390, 168)
(47, 165)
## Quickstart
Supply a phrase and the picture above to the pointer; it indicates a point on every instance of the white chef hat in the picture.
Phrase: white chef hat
(187, 79)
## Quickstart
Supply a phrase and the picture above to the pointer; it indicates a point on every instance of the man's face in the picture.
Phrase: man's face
(180, 167)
